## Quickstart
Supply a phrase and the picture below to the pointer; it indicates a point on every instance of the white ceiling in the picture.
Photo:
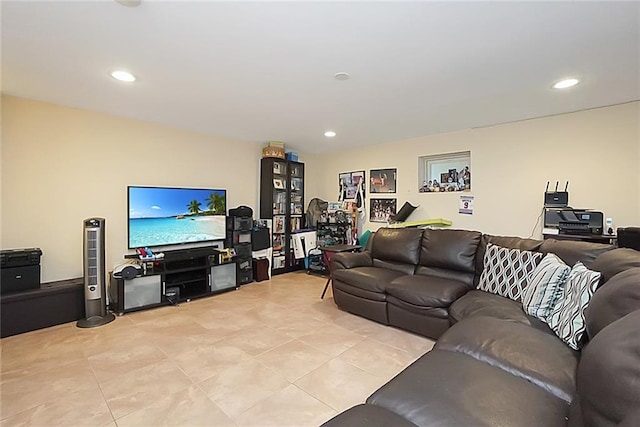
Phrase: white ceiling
(259, 71)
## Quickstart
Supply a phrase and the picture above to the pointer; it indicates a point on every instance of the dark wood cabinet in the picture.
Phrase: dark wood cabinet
(282, 202)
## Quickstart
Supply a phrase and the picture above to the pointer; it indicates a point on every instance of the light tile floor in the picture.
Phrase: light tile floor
(269, 354)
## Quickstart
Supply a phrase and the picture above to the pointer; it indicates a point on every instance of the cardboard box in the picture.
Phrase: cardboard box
(276, 152)
(293, 156)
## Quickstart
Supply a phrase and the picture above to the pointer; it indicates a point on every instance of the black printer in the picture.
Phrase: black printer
(574, 221)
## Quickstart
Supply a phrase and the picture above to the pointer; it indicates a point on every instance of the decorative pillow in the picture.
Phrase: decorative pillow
(506, 270)
(545, 288)
(567, 318)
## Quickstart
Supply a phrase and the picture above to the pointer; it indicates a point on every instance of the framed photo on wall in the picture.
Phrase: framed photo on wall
(382, 180)
(351, 185)
(381, 210)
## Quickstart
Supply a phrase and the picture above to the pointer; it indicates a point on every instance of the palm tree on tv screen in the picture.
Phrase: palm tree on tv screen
(194, 207)
(215, 203)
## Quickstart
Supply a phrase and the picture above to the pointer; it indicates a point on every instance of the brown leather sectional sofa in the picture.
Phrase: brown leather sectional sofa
(493, 364)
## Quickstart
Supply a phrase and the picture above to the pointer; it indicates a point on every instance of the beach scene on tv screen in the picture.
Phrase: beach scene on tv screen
(165, 216)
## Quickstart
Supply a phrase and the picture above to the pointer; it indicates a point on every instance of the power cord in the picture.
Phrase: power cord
(536, 224)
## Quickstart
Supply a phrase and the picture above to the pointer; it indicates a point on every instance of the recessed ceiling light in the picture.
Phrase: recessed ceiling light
(341, 76)
(123, 76)
(566, 83)
(129, 3)
(329, 134)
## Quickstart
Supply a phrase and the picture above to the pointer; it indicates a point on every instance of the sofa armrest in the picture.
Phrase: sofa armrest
(346, 260)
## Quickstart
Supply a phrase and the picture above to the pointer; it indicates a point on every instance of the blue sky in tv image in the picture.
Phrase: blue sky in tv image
(160, 202)
(165, 216)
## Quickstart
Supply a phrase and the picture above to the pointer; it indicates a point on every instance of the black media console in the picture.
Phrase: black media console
(181, 275)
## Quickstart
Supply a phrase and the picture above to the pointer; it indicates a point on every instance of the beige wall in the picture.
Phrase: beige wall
(597, 151)
(62, 165)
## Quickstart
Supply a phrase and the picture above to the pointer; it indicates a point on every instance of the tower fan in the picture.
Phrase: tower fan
(95, 303)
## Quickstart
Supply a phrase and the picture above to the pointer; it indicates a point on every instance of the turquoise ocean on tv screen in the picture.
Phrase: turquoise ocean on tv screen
(166, 231)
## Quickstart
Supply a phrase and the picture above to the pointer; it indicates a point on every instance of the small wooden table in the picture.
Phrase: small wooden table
(327, 254)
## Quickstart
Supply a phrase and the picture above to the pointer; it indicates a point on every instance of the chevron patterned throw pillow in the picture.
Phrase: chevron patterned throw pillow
(506, 271)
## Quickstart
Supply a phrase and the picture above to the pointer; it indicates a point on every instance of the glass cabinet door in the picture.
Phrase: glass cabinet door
(280, 186)
(296, 196)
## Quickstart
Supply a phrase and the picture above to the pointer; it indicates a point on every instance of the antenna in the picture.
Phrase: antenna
(566, 185)
(557, 186)
(546, 190)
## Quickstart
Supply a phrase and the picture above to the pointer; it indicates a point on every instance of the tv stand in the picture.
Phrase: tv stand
(190, 273)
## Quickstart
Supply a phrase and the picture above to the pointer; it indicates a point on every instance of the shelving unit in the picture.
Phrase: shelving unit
(337, 229)
(282, 201)
(333, 233)
(239, 238)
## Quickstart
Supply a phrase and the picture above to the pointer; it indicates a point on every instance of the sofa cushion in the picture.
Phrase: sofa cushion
(506, 271)
(458, 276)
(350, 260)
(631, 419)
(519, 349)
(449, 254)
(546, 286)
(571, 251)
(618, 297)
(450, 249)
(481, 303)
(399, 267)
(430, 322)
(399, 245)
(426, 291)
(357, 292)
(614, 261)
(445, 388)
(608, 375)
(438, 312)
(567, 318)
(372, 279)
(368, 416)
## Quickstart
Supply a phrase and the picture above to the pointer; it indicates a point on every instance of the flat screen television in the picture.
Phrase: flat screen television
(160, 216)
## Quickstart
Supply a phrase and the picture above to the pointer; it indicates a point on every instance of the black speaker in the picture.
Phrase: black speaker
(95, 290)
